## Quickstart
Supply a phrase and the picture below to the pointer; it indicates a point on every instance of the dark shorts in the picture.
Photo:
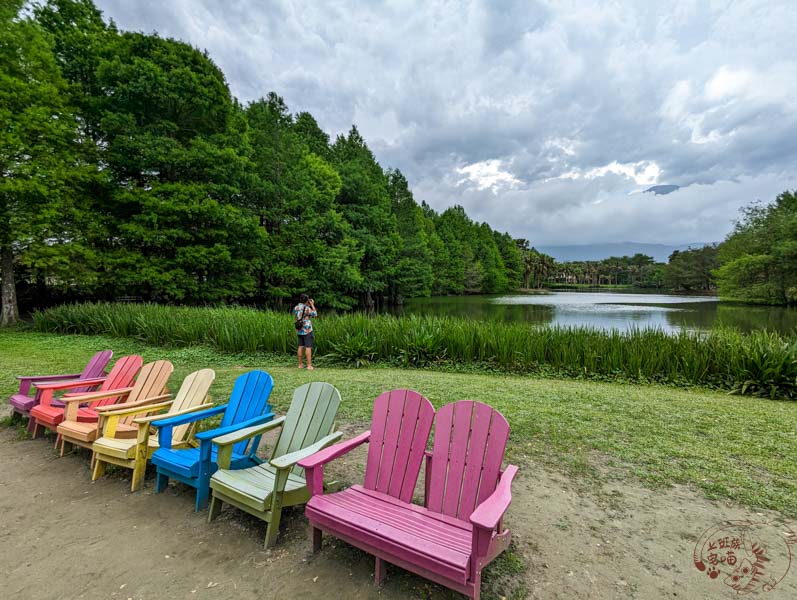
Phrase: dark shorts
(306, 340)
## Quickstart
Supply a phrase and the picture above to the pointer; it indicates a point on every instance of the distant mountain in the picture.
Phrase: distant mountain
(659, 252)
(662, 190)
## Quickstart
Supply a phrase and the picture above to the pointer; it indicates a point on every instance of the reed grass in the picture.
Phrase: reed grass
(762, 362)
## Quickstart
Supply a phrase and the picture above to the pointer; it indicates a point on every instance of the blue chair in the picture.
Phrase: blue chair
(248, 406)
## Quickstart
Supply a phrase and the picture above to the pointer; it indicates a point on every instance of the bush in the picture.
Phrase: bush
(354, 349)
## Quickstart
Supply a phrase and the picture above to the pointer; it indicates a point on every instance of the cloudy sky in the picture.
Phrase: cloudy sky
(545, 118)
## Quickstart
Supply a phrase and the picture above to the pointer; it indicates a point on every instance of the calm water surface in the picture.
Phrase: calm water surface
(610, 310)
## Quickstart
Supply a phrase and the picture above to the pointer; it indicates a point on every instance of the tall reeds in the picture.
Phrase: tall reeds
(762, 363)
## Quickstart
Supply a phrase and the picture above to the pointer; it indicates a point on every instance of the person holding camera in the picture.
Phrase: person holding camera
(302, 313)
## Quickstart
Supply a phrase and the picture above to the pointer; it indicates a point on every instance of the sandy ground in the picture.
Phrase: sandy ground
(62, 536)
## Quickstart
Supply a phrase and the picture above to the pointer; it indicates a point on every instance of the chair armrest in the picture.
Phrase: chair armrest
(92, 396)
(108, 421)
(135, 404)
(178, 413)
(208, 435)
(489, 513)
(314, 464)
(25, 381)
(134, 408)
(166, 425)
(189, 417)
(65, 385)
(48, 378)
(244, 434)
(243, 431)
(319, 459)
(286, 461)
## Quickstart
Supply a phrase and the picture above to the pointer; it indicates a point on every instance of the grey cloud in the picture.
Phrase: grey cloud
(551, 88)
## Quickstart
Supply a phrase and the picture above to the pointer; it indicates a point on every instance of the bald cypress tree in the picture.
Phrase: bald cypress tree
(39, 157)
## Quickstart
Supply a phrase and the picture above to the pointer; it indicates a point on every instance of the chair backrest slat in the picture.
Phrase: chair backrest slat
(120, 376)
(249, 399)
(151, 382)
(400, 427)
(193, 392)
(95, 368)
(310, 418)
(469, 443)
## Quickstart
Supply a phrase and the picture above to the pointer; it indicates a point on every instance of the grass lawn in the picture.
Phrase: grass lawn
(740, 448)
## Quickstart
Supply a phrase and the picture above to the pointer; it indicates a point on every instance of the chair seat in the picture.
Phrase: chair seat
(53, 415)
(253, 486)
(88, 432)
(124, 448)
(416, 535)
(185, 461)
(24, 403)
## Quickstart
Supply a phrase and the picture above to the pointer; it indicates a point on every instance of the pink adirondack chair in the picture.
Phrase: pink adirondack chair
(459, 530)
(92, 376)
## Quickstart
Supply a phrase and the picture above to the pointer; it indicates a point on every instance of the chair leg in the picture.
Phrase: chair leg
(273, 529)
(93, 460)
(215, 508)
(379, 571)
(477, 585)
(139, 470)
(202, 493)
(33, 427)
(98, 470)
(161, 483)
(57, 442)
(315, 536)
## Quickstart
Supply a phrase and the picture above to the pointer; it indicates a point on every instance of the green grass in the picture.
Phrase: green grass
(728, 446)
(761, 363)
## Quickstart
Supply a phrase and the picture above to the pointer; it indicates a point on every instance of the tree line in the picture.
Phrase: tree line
(129, 170)
(687, 271)
(756, 263)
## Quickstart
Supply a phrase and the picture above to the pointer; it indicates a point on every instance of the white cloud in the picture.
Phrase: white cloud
(642, 173)
(729, 81)
(487, 174)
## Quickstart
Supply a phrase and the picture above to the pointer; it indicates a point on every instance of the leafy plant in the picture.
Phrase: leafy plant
(768, 367)
(355, 350)
(421, 347)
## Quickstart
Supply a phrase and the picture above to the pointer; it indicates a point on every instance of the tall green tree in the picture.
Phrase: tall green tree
(316, 139)
(38, 155)
(759, 258)
(413, 273)
(494, 279)
(310, 245)
(692, 270)
(365, 204)
(512, 259)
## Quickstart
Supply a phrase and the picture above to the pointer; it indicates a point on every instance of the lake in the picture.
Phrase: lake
(609, 310)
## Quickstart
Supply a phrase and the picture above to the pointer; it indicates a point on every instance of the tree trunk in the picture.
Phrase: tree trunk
(9, 313)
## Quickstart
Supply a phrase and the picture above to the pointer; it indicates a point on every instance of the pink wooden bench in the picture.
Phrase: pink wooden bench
(458, 531)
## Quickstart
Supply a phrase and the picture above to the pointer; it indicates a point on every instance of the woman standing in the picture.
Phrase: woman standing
(302, 313)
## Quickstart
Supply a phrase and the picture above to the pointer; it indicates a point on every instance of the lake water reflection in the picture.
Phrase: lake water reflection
(610, 310)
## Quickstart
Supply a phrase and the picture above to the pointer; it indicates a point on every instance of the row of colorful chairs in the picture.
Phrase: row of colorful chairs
(127, 418)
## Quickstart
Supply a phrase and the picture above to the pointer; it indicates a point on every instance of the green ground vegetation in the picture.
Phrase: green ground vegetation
(728, 446)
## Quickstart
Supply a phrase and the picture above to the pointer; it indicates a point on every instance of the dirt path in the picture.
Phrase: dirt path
(62, 536)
